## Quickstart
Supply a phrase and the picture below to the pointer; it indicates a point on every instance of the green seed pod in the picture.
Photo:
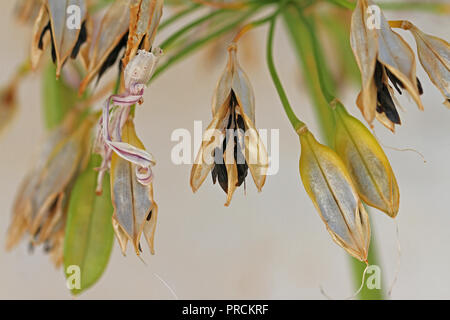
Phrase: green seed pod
(367, 163)
(331, 189)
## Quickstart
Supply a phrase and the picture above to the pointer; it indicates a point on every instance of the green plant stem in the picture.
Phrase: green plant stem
(192, 47)
(175, 36)
(409, 5)
(166, 23)
(293, 119)
(309, 54)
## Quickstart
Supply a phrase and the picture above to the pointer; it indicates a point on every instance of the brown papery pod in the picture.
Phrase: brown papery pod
(145, 16)
(111, 38)
(434, 55)
(65, 21)
(383, 57)
(135, 211)
(40, 206)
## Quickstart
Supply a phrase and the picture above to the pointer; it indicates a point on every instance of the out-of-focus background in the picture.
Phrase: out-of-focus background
(271, 245)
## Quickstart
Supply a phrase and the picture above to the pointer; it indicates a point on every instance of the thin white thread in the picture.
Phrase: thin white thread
(399, 149)
(322, 290)
(161, 279)
(167, 285)
(399, 255)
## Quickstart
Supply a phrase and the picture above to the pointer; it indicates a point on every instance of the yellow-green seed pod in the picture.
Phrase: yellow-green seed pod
(331, 189)
(367, 163)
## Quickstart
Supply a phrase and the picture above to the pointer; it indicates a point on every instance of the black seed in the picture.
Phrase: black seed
(82, 37)
(378, 76)
(149, 215)
(41, 38)
(419, 86)
(140, 248)
(112, 57)
(398, 85)
(141, 45)
(386, 105)
(47, 247)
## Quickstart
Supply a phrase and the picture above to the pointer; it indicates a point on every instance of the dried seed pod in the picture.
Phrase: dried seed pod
(145, 16)
(231, 144)
(434, 55)
(111, 39)
(367, 163)
(41, 204)
(382, 56)
(330, 187)
(66, 41)
(135, 211)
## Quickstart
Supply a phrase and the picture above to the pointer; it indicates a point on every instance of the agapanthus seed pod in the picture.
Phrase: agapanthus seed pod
(40, 207)
(135, 211)
(366, 162)
(231, 144)
(112, 38)
(330, 187)
(434, 55)
(145, 16)
(66, 42)
(382, 56)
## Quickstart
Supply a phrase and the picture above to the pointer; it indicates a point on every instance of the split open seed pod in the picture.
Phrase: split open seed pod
(57, 24)
(135, 211)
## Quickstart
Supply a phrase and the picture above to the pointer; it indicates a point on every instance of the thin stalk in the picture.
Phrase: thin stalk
(174, 18)
(202, 41)
(293, 119)
(407, 5)
(175, 36)
(304, 41)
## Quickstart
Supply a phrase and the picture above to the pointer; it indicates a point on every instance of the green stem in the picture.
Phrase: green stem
(296, 123)
(172, 19)
(175, 36)
(202, 41)
(409, 5)
(309, 53)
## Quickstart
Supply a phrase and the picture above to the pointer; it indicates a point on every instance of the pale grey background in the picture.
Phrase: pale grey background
(271, 245)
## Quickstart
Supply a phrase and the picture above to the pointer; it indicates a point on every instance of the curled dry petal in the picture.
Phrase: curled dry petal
(135, 211)
(330, 187)
(367, 163)
(434, 55)
(145, 16)
(111, 37)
